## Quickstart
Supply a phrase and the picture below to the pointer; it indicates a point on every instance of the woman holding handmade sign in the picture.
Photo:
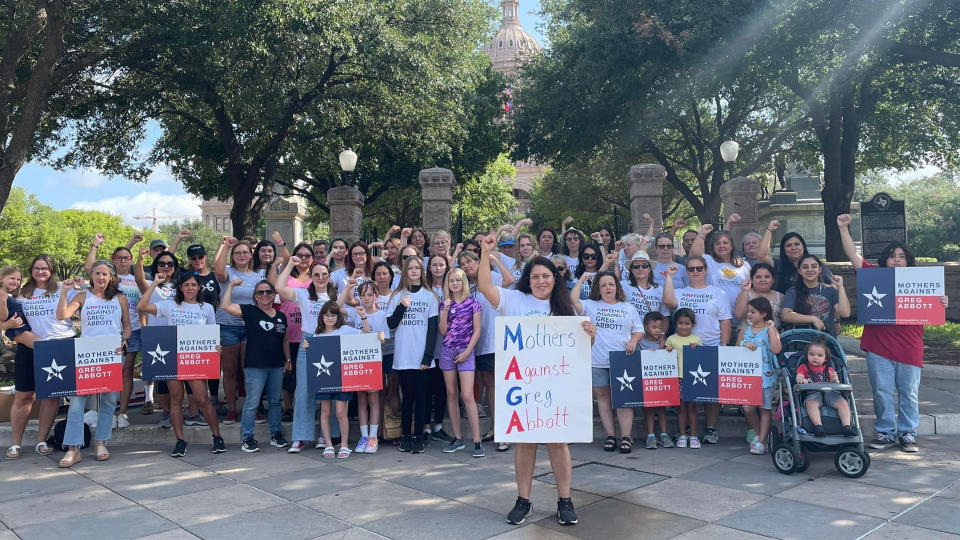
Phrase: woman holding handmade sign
(106, 312)
(185, 309)
(540, 291)
(894, 355)
(619, 328)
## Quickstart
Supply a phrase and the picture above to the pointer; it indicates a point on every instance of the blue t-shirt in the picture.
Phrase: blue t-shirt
(762, 340)
(14, 308)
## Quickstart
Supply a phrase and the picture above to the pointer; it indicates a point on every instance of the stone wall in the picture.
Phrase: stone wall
(951, 275)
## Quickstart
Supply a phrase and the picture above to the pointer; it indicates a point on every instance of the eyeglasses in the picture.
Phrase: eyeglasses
(121, 259)
(664, 246)
(700, 268)
(319, 275)
(40, 269)
(639, 266)
(238, 253)
(305, 255)
(590, 256)
(265, 292)
(405, 257)
(165, 263)
(359, 254)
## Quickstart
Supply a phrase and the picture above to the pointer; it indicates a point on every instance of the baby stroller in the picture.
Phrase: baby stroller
(790, 450)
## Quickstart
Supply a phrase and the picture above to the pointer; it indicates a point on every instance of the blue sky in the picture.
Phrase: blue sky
(89, 189)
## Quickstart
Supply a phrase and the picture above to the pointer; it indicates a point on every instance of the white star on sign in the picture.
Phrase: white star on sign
(323, 366)
(626, 381)
(699, 375)
(158, 355)
(54, 370)
(874, 297)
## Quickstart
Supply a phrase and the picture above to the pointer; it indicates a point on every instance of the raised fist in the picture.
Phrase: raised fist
(706, 229)
(672, 270)
(734, 218)
(843, 220)
(648, 217)
(184, 233)
(294, 259)
(405, 300)
(277, 239)
(99, 239)
(137, 237)
(746, 285)
(773, 225)
(595, 236)
(680, 223)
(237, 282)
(568, 219)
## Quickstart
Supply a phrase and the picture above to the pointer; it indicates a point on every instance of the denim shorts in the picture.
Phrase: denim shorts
(232, 334)
(133, 344)
(601, 376)
(334, 396)
(767, 398)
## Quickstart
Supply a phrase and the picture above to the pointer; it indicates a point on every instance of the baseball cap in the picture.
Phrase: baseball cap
(157, 243)
(507, 240)
(640, 255)
(196, 250)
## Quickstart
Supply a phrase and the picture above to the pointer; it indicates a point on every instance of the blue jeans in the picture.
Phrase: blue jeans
(73, 435)
(305, 406)
(257, 379)
(888, 377)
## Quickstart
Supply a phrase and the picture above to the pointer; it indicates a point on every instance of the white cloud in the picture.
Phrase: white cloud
(143, 204)
(160, 173)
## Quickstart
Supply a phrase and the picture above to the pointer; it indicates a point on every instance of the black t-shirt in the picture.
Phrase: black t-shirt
(266, 337)
(209, 288)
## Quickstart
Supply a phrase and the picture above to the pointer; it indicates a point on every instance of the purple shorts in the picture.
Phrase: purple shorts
(447, 357)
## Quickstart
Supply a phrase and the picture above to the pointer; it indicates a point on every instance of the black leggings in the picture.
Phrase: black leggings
(436, 395)
(413, 400)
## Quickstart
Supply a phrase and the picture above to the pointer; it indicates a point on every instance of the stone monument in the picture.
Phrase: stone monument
(436, 187)
(883, 220)
(646, 195)
(286, 215)
(346, 212)
(739, 196)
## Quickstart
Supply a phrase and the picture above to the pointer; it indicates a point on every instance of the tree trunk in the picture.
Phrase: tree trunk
(839, 171)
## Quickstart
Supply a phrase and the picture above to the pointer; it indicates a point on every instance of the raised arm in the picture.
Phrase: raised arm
(125, 317)
(280, 283)
(505, 273)
(282, 249)
(650, 225)
(405, 236)
(227, 304)
(65, 309)
(669, 297)
(849, 248)
(220, 264)
(134, 240)
(677, 225)
(563, 225)
(520, 225)
(442, 321)
(98, 240)
(843, 303)
(144, 305)
(776, 346)
(575, 293)
(732, 220)
(740, 305)
(183, 234)
(484, 279)
(138, 274)
(763, 254)
(346, 295)
(697, 248)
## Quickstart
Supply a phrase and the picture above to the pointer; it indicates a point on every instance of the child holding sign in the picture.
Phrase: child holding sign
(368, 403)
(684, 320)
(653, 323)
(760, 332)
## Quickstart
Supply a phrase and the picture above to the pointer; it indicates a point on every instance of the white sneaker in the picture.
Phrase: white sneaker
(682, 441)
(757, 448)
(121, 421)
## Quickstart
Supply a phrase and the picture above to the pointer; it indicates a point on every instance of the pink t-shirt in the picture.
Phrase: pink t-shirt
(292, 311)
(898, 342)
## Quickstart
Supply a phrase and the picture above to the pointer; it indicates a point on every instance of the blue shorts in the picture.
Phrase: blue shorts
(232, 334)
(133, 344)
(601, 376)
(334, 396)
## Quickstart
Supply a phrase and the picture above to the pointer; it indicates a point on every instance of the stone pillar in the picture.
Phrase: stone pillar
(739, 195)
(646, 195)
(437, 186)
(285, 215)
(346, 212)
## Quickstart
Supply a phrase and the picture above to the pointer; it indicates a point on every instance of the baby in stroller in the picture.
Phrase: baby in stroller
(816, 369)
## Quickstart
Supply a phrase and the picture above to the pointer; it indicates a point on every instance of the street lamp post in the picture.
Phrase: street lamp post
(729, 151)
(346, 202)
(348, 162)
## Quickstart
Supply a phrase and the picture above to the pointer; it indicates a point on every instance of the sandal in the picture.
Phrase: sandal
(43, 448)
(329, 452)
(344, 453)
(488, 436)
(13, 452)
(71, 458)
(626, 445)
(610, 444)
(503, 447)
(102, 453)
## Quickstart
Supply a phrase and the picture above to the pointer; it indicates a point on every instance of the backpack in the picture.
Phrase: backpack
(59, 429)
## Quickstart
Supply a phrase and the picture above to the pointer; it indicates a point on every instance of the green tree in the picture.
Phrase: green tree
(29, 227)
(486, 200)
(199, 234)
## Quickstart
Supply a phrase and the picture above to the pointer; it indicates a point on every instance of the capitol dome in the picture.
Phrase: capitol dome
(511, 42)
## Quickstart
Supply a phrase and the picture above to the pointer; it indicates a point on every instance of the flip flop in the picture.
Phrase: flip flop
(43, 448)
(14, 451)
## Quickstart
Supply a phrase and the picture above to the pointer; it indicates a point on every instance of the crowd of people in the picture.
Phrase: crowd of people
(432, 305)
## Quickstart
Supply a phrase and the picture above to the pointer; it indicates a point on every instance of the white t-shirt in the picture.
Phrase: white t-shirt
(128, 286)
(41, 313)
(99, 317)
(310, 309)
(410, 341)
(160, 293)
(572, 263)
(186, 314)
(339, 278)
(726, 276)
(615, 324)
(241, 294)
(486, 343)
(644, 300)
(345, 330)
(518, 304)
(711, 306)
(378, 323)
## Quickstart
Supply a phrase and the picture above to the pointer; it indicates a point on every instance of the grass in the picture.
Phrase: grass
(947, 335)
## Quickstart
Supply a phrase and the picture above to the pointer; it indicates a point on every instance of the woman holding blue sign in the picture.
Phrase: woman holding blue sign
(185, 309)
(106, 312)
(540, 291)
(619, 328)
(894, 355)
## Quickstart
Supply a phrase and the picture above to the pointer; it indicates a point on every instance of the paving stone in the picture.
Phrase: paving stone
(173, 534)
(57, 506)
(451, 483)
(863, 499)
(896, 531)
(611, 518)
(115, 523)
(692, 499)
(288, 521)
(36, 480)
(263, 466)
(532, 532)
(903, 477)
(746, 478)
(7, 534)
(367, 502)
(665, 461)
(542, 494)
(299, 485)
(799, 520)
(606, 480)
(153, 488)
(213, 504)
(353, 533)
(952, 492)
(717, 532)
(938, 514)
(448, 518)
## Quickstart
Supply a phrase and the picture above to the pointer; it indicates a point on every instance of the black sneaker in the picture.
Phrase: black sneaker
(882, 441)
(416, 445)
(566, 515)
(277, 440)
(425, 437)
(818, 431)
(405, 443)
(219, 446)
(179, 449)
(521, 511)
(250, 445)
(908, 443)
(442, 435)
(478, 450)
(849, 430)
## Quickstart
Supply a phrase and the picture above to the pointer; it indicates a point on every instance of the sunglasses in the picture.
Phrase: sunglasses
(664, 246)
(265, 292)
(305, 255)
(590, 256)
(165, 263)
(473, 250)
(198, 258)
(700, 268)
(639, 266)
(405, 257)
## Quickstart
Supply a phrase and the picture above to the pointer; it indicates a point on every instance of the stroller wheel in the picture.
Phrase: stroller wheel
(785, 459)
(851, 462)
(804, 462)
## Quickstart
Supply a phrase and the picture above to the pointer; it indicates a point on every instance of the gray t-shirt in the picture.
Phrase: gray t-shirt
(821, 301)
